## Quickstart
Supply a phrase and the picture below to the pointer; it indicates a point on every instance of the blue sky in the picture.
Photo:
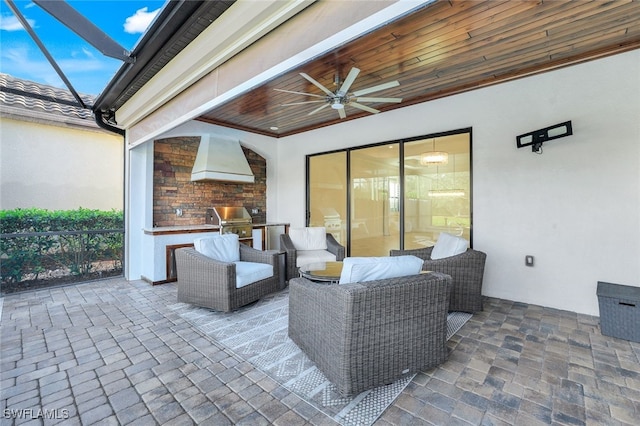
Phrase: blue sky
(86, 68)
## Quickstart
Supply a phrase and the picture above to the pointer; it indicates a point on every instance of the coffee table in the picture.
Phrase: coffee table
(322, 272)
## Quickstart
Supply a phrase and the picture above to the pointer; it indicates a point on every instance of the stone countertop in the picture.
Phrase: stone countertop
(191, 229)
(260, 225)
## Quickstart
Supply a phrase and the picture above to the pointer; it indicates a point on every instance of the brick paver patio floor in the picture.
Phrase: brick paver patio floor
(112, 352)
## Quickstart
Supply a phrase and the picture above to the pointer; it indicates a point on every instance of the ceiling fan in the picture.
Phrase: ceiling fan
(341, 97)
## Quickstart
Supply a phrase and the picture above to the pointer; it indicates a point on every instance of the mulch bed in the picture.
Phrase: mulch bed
(42, 283)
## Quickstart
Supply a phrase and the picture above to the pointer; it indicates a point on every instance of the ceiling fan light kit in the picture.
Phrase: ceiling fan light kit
(337, 104)
(342, 97)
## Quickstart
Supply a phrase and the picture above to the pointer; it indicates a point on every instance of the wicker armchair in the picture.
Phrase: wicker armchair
(210, 283)
(364, 335)
(333, 247)
(466, 270)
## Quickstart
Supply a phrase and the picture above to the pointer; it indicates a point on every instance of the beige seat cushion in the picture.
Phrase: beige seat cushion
(304, 257)
(250, 272)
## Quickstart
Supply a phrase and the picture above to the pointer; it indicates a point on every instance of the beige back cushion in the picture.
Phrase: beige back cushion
(225, 248)
(311, 238)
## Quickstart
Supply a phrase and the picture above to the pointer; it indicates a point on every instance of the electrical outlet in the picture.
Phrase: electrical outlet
(179, 212)
(528, 260)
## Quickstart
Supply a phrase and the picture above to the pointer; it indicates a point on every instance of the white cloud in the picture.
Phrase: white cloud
(139, 22)
(87, 73)
(81, 61)
(83, 53)
(18, 61)
(11, 23)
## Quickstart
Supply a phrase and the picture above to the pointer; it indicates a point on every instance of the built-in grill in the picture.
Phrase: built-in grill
(232, 220)
(332, 222)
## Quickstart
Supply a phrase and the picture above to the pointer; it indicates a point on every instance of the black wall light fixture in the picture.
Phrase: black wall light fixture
(537, 137)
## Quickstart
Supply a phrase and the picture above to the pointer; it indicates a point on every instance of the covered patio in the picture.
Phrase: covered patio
(115, 352)
(118, 352)
(561, 207)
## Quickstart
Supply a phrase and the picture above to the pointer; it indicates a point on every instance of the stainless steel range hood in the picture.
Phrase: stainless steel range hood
(222, 160)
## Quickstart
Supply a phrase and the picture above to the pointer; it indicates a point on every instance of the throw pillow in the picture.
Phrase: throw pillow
(448, 245)
(311, 238)
(361, 269)
(225, 248)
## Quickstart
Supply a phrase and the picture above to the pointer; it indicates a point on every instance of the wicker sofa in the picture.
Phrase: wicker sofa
(364, 335)
(210, 283)
(466, 270)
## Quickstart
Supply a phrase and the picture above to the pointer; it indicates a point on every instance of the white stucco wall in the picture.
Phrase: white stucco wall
(59, 168)
(576, 207)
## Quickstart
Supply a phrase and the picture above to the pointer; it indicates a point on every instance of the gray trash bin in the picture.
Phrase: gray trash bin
(619, 310)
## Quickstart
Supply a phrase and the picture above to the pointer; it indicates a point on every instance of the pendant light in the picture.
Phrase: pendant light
(433, 157)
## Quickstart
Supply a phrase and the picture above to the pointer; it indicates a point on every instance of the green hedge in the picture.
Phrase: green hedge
(31, 255)
(41, 220)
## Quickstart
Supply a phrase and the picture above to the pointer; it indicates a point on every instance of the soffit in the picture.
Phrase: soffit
(439, 50)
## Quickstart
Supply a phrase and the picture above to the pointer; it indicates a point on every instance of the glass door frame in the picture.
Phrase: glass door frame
(401, 160)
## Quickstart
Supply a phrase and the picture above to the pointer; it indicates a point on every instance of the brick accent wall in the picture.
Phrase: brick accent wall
(173, 160)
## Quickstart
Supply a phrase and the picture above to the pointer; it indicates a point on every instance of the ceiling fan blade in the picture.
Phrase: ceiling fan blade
(364, 107)
(372, 89)
(318, 109)
(300, 93)
(342, 113)
(301, 103)
(346, 85)
(318, 85)
(394, 100)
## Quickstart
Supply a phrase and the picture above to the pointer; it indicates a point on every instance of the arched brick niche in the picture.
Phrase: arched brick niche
(173, 160)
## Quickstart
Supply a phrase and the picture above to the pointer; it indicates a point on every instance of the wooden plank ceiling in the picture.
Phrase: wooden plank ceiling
(446, 48)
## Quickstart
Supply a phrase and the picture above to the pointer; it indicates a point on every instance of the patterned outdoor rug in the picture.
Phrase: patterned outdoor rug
(258, 334)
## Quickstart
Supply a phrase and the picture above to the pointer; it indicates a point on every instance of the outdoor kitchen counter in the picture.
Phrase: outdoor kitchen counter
(160, 243)
(192, 229)
(183, 229)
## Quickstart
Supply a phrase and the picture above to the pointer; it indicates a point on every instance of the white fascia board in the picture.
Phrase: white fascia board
(241, 25)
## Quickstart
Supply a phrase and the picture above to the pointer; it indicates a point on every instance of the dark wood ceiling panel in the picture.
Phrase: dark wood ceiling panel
(446, 48)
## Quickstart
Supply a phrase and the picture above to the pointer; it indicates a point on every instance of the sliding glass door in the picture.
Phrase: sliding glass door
(375, 204)
(400, 194)
(437, 191)
(327, 188)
